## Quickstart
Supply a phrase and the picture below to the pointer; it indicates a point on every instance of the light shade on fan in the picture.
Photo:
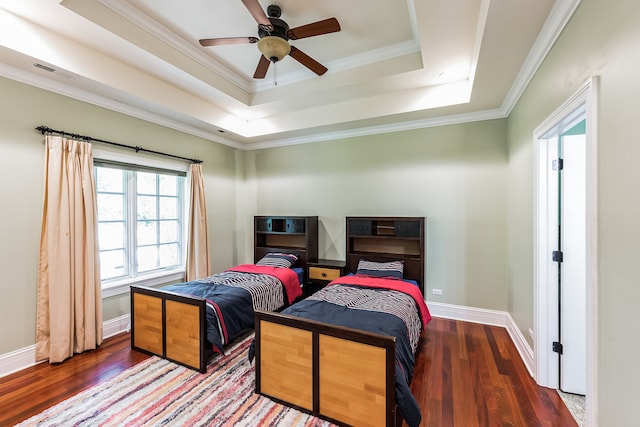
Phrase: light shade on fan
(274, 48)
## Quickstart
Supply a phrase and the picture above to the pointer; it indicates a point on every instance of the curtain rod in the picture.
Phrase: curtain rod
(46, 129)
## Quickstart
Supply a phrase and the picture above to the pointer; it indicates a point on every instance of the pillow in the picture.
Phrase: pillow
(381, 269)
(276, 259)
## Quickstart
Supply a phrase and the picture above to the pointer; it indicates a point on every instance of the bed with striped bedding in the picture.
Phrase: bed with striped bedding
(190, 322)
(381, 313)
(233, 295)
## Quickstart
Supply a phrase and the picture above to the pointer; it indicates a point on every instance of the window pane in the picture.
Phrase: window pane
(168, 208)
(112, 264)
(169, 255)
(111, 235)
(148, 214)
(110, 207)
(168, 231)
(109, 180)
(147, 207)
(168, 185)
(147, 233)
(147, 258)
(146, 182)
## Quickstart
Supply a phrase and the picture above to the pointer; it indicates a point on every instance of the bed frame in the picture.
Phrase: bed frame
(316, 358)
(318, 367)
(173, 326)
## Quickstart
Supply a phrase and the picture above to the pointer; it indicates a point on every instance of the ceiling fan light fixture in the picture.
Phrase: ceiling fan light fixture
(274, 48)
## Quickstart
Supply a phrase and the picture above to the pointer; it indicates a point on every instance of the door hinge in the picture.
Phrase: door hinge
(556, 256)
(557, 347)
(557, 164)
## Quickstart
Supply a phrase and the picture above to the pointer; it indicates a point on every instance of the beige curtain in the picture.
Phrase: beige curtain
(198, 256)
(69, 303)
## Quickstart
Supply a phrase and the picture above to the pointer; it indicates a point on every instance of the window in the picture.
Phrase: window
(141, 222)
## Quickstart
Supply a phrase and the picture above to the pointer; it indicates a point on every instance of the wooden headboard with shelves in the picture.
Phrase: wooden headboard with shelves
(383, 239)
(296, 235)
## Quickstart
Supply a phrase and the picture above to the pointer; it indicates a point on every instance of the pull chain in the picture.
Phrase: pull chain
(275, 73)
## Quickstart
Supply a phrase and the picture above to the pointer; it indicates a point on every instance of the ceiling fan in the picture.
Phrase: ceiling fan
(274, 35)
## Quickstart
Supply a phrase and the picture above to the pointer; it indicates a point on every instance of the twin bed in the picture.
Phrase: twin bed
(190, 322)
(345, 353)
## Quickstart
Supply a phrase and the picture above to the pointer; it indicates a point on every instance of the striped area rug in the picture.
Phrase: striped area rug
(156, 392)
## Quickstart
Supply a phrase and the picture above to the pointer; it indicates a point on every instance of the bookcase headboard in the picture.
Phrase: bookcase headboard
(291, 234)
(383, 239)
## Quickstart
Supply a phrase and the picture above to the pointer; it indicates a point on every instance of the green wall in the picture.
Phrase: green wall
(455, 176)
(602, 39)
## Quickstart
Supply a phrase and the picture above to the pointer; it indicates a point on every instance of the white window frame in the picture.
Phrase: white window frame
(119, 287)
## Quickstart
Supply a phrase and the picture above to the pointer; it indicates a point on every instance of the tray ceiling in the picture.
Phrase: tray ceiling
(394, 65)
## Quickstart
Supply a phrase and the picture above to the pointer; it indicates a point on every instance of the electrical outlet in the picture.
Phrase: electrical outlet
(531, 334)
(435, 291)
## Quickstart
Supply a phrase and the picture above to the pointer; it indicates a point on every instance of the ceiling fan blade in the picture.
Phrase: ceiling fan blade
(258, 14)
(228, 40)
(325, 26)
(261, 69)
(307, 61)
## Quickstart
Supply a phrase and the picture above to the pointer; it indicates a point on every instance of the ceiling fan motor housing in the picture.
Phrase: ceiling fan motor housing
(280, 29)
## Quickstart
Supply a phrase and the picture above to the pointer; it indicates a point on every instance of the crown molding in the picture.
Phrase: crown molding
(132, 14)
(66, 89)
(358, 60)
(475, 116)
(558, 18)
(71, 91)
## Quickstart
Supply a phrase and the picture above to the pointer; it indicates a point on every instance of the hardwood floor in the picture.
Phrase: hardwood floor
(469, 375)
(32, 390)
(466, 375)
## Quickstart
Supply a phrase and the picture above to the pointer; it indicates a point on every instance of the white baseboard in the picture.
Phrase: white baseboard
(26, 357)
(17, 360)
(468, 314)
(487, 317)
(525, 351)
(115, 326)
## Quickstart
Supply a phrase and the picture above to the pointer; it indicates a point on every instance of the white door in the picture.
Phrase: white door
(565, 294)
(563, 176)
(573, 332)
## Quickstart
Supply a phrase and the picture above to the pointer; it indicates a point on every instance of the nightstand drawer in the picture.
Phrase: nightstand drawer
(323, 273)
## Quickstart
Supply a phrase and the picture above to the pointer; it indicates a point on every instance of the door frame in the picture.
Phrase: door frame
(545, 296)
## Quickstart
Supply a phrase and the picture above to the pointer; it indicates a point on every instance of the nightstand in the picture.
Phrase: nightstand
(321, 272)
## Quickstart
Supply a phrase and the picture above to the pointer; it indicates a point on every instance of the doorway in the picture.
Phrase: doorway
(565, 254)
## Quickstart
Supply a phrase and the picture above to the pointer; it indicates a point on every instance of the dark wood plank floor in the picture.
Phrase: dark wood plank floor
(469, 375)
(32, 390)
(466, 375)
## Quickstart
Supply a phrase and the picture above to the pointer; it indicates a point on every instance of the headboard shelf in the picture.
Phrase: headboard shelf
(293, 240)
(386, 245)
(292, 234)
(383, 239)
